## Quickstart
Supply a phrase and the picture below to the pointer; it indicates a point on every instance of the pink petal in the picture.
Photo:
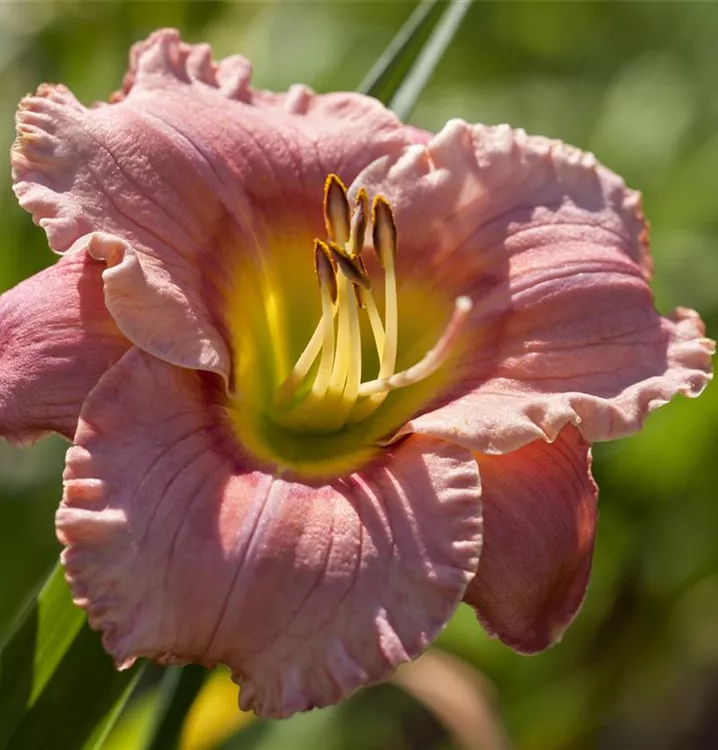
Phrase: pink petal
(418, 135)
(552, 249)
(181, 551)
(56, 340)
(540, 520)
(188, 169)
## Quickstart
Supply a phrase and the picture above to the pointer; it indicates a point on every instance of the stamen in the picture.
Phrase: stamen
(384, 231)
(342, 355)
(311, 410)
(377, 327)
(351, 389)
(323, 336)
(385, 246)
(328, 287)
(433, 360)
(367, 406)
(353, 268)
(345, 379)
(334, 395)
(337, 214)
(357, 228)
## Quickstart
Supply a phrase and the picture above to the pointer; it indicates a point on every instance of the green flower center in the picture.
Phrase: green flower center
(322, 416)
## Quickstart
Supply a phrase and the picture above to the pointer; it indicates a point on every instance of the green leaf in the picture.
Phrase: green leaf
(385, 77)
(300, 732)
(28, 500)
(376, 717)
(178, 689)
(416, 79)
(58, 688)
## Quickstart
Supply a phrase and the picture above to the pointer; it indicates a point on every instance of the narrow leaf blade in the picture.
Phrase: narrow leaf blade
(58, 688)
(178, 689)
(421, 71)
(386, 75)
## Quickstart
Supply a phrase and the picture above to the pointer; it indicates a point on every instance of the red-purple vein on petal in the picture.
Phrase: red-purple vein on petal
(185, 171)
(181, 552)
(553, 250)
(178, 545)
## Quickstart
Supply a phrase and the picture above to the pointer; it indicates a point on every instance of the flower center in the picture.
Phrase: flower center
(324, 391)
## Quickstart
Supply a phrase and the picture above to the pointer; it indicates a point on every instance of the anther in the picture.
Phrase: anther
(325, 268)
(337, 214)
(336, 395)
(384, 231)
(350, 267)
(357, 228)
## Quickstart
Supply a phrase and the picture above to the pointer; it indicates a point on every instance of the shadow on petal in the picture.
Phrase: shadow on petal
(553, 250)
(540, 516)
(181, 551)
(56, 341)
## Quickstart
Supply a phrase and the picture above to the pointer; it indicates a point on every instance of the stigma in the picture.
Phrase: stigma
(325, 390)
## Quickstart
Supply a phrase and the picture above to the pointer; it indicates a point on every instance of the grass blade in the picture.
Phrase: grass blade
(58, 688)
(178, 689)
(386, 75)
(416, 79)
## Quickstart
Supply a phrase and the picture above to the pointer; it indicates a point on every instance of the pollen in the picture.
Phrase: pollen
(327, 396)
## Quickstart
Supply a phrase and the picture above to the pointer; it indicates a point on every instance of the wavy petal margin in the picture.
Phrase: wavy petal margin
(553, 250)
(188, 169)
(181, 553)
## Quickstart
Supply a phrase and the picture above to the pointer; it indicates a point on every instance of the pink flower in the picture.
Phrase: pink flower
(268, 469)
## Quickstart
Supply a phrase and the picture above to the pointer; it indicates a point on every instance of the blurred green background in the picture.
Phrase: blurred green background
(636, 84)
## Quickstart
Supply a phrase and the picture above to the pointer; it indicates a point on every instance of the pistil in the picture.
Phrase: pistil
(431, 362)
(384, 235)
(354, 249)
(377, 327)
(335, 395)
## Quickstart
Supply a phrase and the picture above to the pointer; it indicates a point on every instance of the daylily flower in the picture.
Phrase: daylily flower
(298, 346)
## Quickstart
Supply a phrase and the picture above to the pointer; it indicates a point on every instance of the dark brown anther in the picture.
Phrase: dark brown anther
(358, 223)
(325, 268)
(350, 267)
(337, 214)
(383, 231)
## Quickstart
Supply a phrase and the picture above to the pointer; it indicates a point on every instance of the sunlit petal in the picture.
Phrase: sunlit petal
(179, 551)
(191, 168)
(552, 249)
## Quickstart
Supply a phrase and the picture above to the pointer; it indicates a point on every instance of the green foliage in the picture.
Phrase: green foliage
(178, 689)
(57, 686)
(416, 78)
(633, 82)
(389, 71)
